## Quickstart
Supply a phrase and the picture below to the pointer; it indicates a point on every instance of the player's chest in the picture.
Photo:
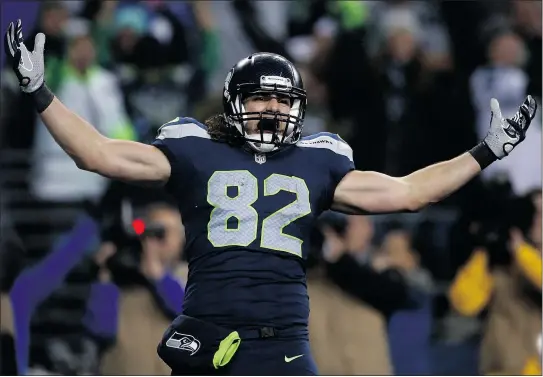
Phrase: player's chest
(267, 184)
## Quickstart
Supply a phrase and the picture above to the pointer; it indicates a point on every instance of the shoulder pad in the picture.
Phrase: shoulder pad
(327, 140)
(182, 127)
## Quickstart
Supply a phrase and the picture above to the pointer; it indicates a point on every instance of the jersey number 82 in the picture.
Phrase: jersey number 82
(241, 208)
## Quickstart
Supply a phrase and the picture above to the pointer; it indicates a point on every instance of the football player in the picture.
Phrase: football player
(249, 188)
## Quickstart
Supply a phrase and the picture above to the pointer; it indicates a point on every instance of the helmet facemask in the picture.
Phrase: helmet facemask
(271, 137)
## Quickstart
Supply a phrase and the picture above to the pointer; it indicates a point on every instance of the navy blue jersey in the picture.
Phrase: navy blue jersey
(247, 220)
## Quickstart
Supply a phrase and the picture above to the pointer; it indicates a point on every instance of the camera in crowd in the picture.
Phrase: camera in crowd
(120, 214)
(499, 212)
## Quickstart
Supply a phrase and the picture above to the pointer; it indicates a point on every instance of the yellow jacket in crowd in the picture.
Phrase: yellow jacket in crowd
(513, 329)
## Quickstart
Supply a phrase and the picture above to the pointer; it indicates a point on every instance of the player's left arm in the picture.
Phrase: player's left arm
(372, 192)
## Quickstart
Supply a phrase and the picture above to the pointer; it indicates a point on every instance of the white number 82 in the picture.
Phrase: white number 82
(241, 207)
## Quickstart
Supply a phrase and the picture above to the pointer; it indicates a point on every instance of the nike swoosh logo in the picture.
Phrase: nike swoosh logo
(289, 359)
(26, 63)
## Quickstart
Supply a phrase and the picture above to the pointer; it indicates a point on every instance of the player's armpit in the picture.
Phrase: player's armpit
(132, 162)
(362, 192)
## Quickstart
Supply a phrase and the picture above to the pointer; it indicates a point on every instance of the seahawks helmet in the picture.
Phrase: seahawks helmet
(265, 73)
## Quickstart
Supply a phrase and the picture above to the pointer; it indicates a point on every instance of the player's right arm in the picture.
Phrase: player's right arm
(373, 192)
(117, 159)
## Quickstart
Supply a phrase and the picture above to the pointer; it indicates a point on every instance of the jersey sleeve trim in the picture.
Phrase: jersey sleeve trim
(327, 140)
(182, 127)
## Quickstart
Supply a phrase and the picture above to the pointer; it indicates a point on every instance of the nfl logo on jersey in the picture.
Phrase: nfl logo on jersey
(260, 158)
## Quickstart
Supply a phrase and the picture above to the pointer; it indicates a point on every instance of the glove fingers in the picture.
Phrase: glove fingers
(39, 43)
(19, 33)
(531, 106)
(495, 108)
(9, 39)
(527, 117)
(13, 51)
(518, 130)
(526, 113)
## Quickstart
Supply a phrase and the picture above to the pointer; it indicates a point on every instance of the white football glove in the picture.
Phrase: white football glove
(28, 66)
(505, 134)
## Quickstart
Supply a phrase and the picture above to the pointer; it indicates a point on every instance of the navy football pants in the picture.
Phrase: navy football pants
(270, 356)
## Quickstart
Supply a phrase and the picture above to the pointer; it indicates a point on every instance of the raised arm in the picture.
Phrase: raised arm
(372, 192)
(118, 159)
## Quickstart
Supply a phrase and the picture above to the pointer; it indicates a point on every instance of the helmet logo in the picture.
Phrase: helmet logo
(270, 82)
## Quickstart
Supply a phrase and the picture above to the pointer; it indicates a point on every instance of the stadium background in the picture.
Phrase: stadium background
(406, 83)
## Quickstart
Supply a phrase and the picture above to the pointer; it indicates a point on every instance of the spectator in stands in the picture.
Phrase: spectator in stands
(101, 16)
(161, 58)
(503, 78)
(233, 38)
(93, 93)
(408, 329)
(150, 292)
(425, 18)
(28, 289)
(25, 292)
(397, 250)
(351, 302)
(503, 275)
(527, 19)
(402, 84)
(342, 63)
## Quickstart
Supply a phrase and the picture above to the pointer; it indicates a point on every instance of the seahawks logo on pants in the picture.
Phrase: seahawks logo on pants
(184, 342)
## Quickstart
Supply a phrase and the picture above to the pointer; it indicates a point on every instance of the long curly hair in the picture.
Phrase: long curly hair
(219, 130)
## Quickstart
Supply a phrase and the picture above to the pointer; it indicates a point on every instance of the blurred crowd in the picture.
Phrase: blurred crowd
(93, 271)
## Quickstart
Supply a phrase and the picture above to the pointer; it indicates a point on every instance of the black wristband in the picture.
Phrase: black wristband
(42, 98)
(483, 155)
